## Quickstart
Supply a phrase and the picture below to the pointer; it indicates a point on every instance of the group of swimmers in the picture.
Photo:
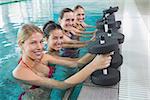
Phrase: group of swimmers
(49, 73)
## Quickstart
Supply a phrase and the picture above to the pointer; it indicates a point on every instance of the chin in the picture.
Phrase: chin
(38, 57)
(81, 20)
(57, 49)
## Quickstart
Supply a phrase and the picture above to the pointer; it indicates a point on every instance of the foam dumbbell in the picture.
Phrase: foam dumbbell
(113, 35)
(117, 58)
(109, 76)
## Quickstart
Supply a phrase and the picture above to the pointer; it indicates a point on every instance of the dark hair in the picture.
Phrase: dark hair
(49, 27)
(65, 10)
(77, 7)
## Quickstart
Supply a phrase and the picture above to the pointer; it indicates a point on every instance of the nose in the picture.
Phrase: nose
(40, 46)
(59, 41)
(81, 17)
(71, 22)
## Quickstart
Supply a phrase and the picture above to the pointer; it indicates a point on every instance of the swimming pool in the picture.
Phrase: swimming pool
(13, 15)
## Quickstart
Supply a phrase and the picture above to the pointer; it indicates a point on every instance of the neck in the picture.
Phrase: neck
(29, 61)
(69, 28)
(53, 52)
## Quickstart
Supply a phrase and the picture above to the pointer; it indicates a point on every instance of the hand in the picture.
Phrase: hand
(102, 61)
(93, 37)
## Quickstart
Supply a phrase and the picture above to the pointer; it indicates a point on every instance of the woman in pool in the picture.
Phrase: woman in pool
(32, 72)
(54, 36)
(67, 22)
(80, 16)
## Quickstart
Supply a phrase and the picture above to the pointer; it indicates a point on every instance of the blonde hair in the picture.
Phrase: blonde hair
(26, 31)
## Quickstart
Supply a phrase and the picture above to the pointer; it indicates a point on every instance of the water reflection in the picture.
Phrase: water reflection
(12, 16)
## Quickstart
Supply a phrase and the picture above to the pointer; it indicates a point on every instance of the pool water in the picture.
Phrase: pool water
(13, 15)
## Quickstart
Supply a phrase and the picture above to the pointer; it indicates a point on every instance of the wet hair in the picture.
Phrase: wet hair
(65, 10)
(49, 27)
(77, 7)
(26, 31)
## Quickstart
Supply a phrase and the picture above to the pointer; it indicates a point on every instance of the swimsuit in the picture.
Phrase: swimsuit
(62, 73)
(70, 52)
(51, 71)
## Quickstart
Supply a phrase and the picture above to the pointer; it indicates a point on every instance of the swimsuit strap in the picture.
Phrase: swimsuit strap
(19, 60)
(26, 64)
(51, 71)
(23, 93)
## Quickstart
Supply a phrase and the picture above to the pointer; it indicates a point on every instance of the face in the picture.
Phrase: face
(33, 46)
(55, 39)
(80, 15)
(68, 19)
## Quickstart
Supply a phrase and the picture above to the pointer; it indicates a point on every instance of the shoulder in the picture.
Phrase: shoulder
(23, 73)
(47, 58)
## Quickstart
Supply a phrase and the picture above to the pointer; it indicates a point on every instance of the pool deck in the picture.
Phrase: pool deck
(135, 73)
(93, 92)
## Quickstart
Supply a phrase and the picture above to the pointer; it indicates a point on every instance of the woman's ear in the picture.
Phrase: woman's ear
(20, 44)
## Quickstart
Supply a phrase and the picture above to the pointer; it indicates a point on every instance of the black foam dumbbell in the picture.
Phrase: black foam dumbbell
(110, 17)
(117, 58)
(111, 10)
(109, 76)
(114, 35)
(100, 25)
(118, 24)
(104, 25)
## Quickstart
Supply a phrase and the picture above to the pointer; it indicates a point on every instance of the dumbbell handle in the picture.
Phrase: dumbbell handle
(106, 27)
(104, 70)
(109, 33)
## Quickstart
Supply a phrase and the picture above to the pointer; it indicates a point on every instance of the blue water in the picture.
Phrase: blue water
(13, 15)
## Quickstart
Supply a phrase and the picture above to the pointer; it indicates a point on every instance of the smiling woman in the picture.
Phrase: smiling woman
(33, 47)
(33, 73)
(79, 12)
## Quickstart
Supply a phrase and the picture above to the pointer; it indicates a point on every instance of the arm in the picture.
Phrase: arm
(82, 32)
(73, 42)
(99, 62)
(85, 59)
(21, 74)
(60, 61)
(87, 25)
(67, 58)
(70, 41)
(73, 45)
